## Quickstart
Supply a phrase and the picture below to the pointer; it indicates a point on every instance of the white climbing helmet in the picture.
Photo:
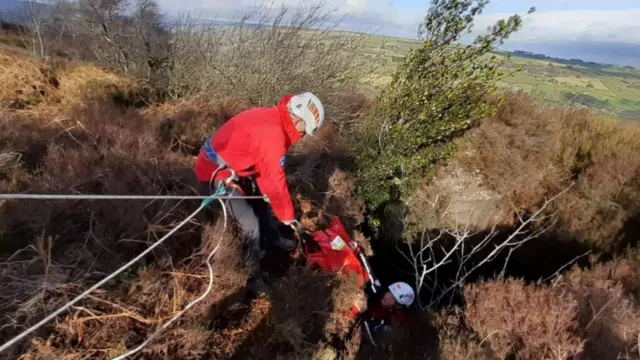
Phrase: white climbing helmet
(309, 108)
(403, 293)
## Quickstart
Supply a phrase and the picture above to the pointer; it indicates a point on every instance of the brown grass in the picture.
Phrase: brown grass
(182, 125)
(60, 132)
(118, 317)
(345, 294)
(51, 250)
(38, 89)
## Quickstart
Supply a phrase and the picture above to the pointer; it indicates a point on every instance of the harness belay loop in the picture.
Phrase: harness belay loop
(228, 183)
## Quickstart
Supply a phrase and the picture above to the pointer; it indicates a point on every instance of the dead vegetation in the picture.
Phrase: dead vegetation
(527, 153)
(106, 149)
(267, 50)
(586, 314)
(38, 89)
(508, 316)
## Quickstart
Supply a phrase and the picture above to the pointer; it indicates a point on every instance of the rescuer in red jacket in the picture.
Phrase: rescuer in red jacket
(249, 150)
(332, 250)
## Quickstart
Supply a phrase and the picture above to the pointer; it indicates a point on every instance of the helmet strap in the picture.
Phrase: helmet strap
(297, 121)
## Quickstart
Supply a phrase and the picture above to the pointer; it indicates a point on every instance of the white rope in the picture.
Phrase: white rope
(117, 197)
(191, 304)
(103, 281)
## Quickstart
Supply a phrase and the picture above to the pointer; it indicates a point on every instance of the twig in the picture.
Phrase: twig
(565, 266)
(186, 275)
(92, 297)
(512, 242)
(599, 312)
(483, 340)
(128, 314)
(82, 308)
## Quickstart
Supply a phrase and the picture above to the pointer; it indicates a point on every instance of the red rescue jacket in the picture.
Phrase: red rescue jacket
(334, 253)
(254, 143)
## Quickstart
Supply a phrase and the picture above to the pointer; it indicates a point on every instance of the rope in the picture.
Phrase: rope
(119, 197)
(191, 304)
(35, 327)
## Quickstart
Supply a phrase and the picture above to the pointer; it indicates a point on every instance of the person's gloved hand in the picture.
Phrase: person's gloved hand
(361, 302)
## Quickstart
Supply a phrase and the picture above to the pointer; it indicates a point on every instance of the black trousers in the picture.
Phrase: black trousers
(253, 217)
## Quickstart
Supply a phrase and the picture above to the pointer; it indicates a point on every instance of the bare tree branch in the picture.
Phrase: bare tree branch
(467, 252)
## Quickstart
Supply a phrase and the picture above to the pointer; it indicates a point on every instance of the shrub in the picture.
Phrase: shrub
(182, 125)
(526, 322)
(48, 89)
(609, 312)
(527, 153)
(456, 340)
(587, 313)
(57, 248)
(264, 54)
(147, 299)
(434, 96)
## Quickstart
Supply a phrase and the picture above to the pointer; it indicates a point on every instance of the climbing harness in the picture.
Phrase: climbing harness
(225, 186)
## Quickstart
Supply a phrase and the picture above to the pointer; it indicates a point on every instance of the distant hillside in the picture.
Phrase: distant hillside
(608, 88)
(531, 55)
(612, 89)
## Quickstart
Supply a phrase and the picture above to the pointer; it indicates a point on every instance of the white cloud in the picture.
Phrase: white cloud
(595, 35)
(619, 26)
(356, 15)
(357, 5)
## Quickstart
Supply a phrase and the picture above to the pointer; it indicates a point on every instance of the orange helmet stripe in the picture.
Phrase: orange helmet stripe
(314, 110)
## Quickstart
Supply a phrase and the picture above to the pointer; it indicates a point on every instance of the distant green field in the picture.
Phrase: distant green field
(614, 90)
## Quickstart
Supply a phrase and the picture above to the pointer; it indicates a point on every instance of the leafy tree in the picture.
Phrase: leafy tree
(435, 95)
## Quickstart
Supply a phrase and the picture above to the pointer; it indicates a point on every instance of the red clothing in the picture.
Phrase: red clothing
(334, 253)
(378, 311)
(254, 143)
